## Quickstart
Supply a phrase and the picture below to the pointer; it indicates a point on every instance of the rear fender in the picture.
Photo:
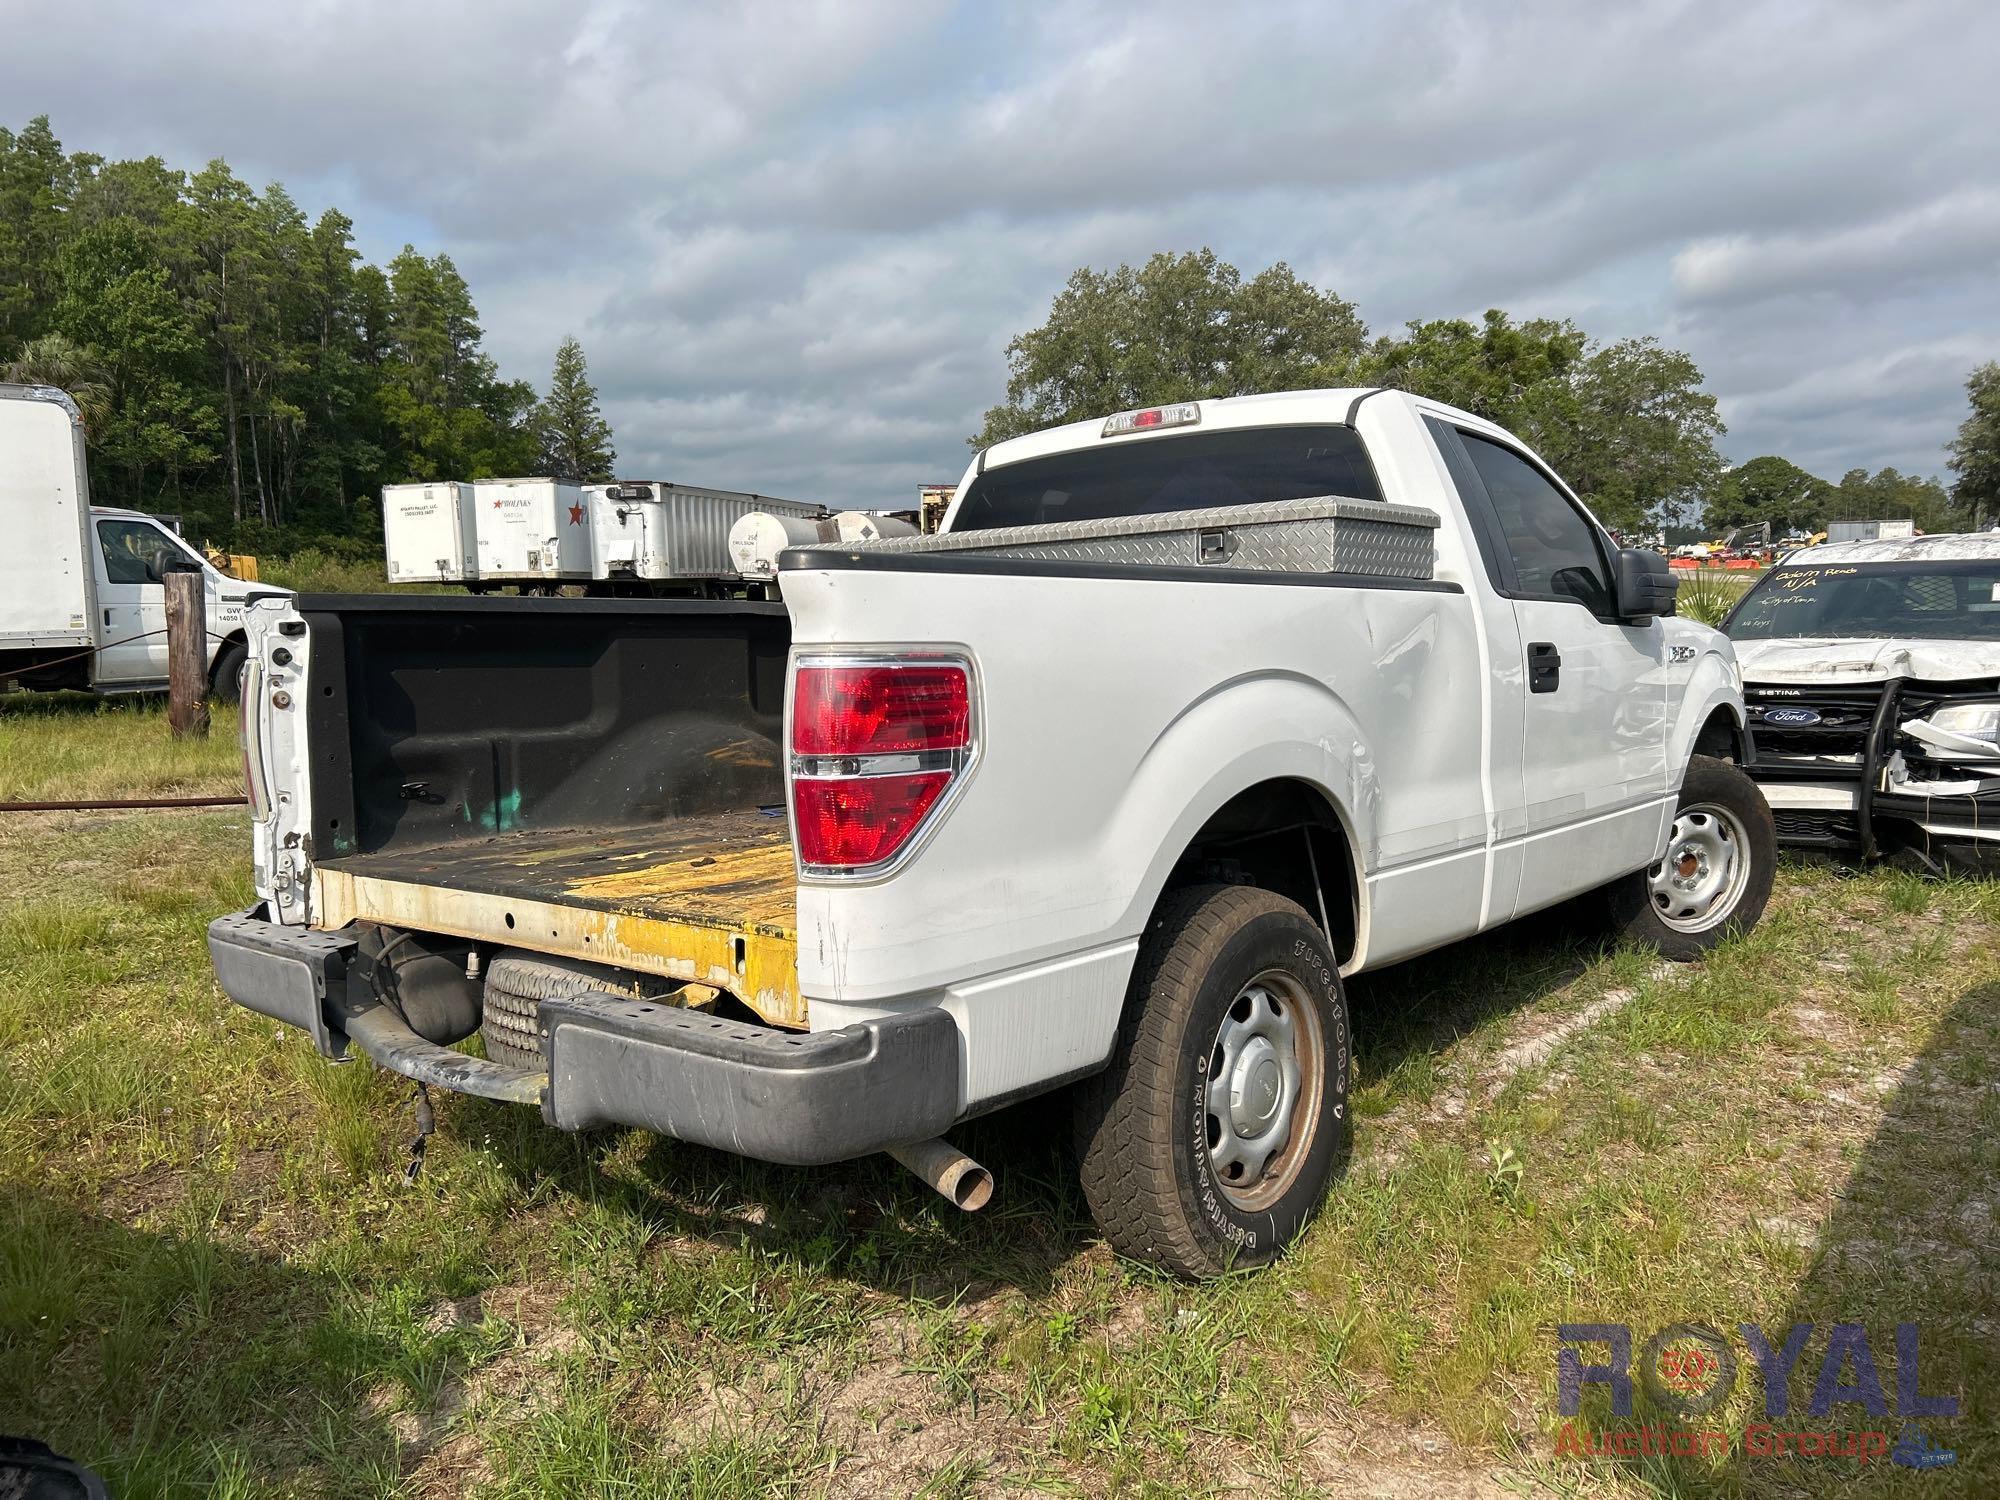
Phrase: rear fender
(1270, 727)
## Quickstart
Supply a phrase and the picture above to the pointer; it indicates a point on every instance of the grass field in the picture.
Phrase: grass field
(72, 747)
(213, 1282)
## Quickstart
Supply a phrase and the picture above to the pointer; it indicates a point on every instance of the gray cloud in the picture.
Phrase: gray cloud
(1955, 235)
(795, 238)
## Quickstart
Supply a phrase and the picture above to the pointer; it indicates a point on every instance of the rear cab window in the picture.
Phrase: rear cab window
(1154, 476)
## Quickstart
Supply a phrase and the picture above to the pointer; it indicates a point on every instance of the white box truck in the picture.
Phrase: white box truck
(429, 532)
(532, 530)
(654, 531)
(83, 602)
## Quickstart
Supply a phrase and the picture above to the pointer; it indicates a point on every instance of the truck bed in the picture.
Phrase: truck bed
(595, 778)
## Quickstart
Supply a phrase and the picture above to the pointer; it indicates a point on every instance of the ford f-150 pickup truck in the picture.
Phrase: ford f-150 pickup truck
(1039, 801)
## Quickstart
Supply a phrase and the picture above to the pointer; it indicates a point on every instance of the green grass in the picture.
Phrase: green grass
(213, 1282)
(73, 747)
(312, 571)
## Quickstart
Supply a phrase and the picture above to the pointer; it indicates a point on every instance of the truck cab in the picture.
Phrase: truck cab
(131, 555)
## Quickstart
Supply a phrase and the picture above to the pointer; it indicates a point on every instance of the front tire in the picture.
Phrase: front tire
(1714, 876)
(225, 679)
(1210, 1140)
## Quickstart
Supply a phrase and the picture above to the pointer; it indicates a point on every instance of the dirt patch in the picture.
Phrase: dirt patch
(1533, 1051)
(891, 1431)
(1347, 1456)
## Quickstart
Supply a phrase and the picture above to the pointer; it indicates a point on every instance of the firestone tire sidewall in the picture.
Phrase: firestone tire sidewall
(1271, 940)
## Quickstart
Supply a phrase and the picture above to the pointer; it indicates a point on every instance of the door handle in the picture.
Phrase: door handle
(1545, 666)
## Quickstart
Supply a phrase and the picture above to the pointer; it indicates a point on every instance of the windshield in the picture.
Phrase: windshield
(1156, 475)
(1958, 600)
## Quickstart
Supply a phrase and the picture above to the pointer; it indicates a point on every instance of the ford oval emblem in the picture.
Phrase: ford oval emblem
(1797, 717)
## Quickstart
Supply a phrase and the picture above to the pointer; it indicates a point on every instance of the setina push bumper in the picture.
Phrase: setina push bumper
(795, 1098)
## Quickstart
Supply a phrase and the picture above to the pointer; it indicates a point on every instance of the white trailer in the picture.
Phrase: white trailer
(429, 532)
(658, 532)
(532, 529)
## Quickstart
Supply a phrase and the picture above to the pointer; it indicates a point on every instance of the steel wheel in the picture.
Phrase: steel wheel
(1701, 878)
(1264, 1078)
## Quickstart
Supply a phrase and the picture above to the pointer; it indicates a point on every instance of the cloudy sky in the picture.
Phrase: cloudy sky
(795, 239)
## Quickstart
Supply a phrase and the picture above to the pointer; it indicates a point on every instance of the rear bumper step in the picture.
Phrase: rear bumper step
(802, 1099)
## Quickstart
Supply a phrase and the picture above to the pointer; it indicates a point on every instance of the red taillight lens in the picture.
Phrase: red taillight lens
(876, 745)
(862, 820)
(880, 710)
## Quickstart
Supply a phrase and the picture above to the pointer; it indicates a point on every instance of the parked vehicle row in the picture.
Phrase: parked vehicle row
(1186, 716)
(545, 533)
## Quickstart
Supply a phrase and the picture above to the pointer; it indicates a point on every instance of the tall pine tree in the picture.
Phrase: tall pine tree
(575, 438)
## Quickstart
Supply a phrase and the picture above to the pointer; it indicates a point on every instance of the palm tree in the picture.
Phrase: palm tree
(57, 360)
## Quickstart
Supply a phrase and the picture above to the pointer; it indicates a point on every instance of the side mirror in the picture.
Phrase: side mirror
(1644, 586)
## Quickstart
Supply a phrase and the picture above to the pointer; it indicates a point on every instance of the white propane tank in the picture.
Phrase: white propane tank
(860, 526)
(757, 537)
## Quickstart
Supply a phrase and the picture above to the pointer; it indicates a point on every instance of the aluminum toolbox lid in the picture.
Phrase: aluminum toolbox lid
(1262, 513)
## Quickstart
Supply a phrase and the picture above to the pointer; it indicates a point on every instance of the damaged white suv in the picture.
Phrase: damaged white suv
(1871, 676)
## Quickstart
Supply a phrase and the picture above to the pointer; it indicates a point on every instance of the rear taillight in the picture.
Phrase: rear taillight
(881, 710)
(877, 743)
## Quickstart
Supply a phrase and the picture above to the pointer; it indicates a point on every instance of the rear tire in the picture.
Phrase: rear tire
(516, 985)
(1713, 878)
(1210, 1140)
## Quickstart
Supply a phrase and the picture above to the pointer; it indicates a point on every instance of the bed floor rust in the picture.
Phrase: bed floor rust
(722, 870)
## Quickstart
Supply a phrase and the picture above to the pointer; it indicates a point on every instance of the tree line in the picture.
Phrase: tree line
(1627, 423)
(241, 365)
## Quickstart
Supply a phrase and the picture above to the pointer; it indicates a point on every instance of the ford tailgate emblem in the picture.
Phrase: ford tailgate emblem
(1795, 716)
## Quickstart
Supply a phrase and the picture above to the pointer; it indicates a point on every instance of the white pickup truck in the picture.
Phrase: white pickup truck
(963, 820)
(83, 601)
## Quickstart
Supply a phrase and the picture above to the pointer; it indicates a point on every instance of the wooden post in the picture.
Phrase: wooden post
(187, 654)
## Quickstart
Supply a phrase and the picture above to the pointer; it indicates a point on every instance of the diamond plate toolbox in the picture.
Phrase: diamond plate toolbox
(1322, 534)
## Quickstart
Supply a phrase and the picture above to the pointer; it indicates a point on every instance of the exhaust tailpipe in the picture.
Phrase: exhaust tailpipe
(941, 1164)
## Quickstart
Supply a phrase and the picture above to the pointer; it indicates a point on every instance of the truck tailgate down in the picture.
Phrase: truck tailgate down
(709, 900)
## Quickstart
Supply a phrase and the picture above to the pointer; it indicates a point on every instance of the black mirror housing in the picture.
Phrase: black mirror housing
(1644, 586)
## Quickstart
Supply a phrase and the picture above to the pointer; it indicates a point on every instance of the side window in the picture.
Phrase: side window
(128, 546)
(1555, 549)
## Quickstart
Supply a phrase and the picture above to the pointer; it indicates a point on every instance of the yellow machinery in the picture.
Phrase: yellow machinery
(232, 565)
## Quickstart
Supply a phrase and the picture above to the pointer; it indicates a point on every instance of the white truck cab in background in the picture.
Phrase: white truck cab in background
(82, 601)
